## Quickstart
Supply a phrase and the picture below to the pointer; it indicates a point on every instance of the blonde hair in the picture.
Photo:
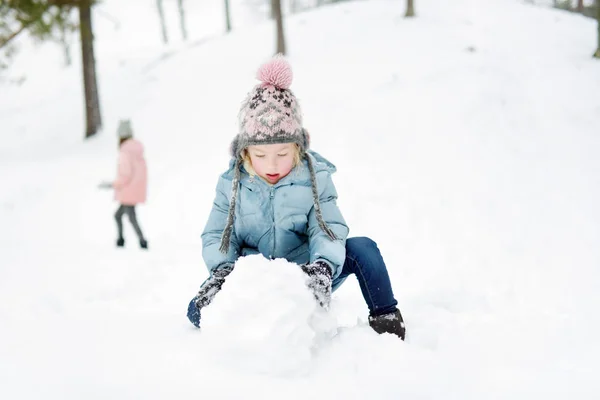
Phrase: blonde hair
(248, 162)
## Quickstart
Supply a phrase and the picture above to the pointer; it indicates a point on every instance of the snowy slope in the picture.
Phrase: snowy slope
(466, 142)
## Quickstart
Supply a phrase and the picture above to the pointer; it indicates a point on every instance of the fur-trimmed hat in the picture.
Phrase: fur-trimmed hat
(270, 114)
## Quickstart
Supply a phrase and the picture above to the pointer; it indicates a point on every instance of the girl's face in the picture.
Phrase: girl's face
(272, 162)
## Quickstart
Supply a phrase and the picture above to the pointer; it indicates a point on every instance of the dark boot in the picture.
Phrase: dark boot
(120, 242)
(143, 244)
(388, 323)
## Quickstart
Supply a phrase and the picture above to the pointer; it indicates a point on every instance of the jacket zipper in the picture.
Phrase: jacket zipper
(273, 214)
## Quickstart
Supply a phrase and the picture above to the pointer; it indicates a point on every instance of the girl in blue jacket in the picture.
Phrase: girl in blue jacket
(277, 199)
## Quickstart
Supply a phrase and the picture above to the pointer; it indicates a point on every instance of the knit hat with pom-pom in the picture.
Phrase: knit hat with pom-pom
(269, 115)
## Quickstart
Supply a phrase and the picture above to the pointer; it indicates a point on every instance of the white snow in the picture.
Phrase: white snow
(467, 145)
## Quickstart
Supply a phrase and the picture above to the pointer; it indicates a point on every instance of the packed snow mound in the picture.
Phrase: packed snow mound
(266, 318)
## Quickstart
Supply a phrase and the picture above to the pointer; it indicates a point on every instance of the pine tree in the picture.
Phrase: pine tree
(49, 20)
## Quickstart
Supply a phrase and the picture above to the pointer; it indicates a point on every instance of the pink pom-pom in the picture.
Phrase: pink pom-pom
(276, 72)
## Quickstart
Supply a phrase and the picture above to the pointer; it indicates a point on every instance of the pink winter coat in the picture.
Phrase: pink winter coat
(132, 176)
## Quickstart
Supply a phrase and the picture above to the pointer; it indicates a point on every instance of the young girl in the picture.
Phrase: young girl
(130, 185)
(277, 198)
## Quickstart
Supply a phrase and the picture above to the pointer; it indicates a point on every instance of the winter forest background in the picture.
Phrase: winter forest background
(466, 138)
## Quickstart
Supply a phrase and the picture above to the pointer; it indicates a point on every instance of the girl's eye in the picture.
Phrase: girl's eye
(259, 155)
(282, 155)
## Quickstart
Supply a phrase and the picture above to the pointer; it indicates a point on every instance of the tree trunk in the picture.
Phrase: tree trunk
(182, 19)
(579, 5)
(279, 22)
(410, 8)
(163, 25)
(90, 85)
(227, 17)
(597, 53)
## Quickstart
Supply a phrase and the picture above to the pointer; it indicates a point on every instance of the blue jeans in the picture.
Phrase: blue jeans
(364, 260)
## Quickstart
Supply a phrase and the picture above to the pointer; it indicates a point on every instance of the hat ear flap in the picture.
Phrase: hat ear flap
(234, 147)
(305, 139)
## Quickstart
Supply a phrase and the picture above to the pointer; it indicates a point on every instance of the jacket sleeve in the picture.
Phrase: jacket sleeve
(321, 247)
(124, 171)
(211, 236)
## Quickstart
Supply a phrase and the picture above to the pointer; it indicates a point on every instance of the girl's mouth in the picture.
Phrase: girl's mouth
(272, 177)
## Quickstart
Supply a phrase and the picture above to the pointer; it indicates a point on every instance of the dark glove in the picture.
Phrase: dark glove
(320, 280)
(105, 185)
(193, 313)
(207, 293)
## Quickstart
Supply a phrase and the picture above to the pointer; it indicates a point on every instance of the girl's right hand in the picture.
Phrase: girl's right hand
(319, 281)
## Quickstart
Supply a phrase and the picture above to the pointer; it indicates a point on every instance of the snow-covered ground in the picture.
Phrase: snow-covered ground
(467, 145)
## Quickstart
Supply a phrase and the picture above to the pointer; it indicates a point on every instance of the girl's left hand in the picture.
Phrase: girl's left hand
(105, 185)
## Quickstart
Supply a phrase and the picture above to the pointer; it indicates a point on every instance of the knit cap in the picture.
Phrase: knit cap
(124, 130)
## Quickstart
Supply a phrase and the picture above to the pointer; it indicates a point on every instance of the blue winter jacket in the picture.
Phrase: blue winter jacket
(278, 220)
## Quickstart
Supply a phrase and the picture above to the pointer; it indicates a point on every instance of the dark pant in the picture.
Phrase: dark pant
(364, 260)
(130, 211)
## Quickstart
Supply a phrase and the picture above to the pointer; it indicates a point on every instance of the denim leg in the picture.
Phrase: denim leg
(364, 260)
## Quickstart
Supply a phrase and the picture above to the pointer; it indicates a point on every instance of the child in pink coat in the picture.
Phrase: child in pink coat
(131, 183)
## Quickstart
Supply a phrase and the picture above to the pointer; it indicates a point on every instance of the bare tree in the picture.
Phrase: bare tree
(163, 25)
(92, 102)
(579, 5)
(65, 26)
(182, 19)
(597, 53)
(279, 22)
(410, 8)
(227, 17)
(64, 41)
